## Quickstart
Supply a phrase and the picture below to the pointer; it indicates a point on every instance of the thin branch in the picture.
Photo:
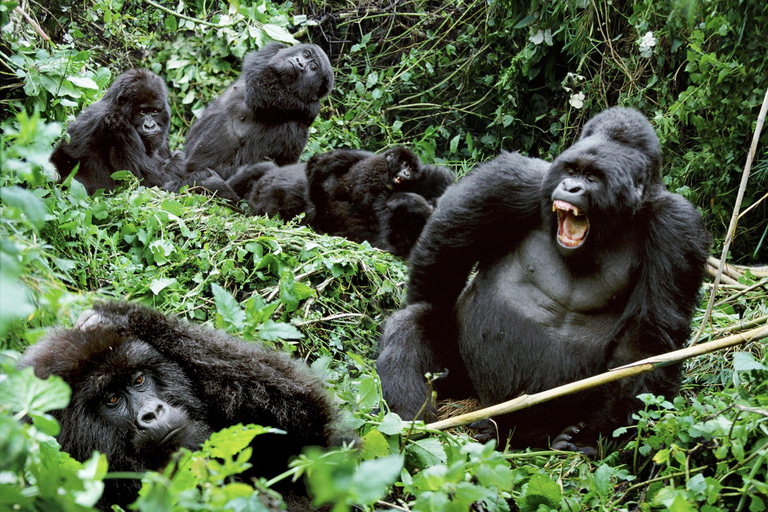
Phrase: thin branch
(645, 366)
(739, 293)
(18, 10)
(332, 317)
(735, 216)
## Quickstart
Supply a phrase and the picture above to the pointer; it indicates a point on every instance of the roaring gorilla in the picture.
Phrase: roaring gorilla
(126, 130)
(264, 114)
(384, 199)
(583, 265)
(145, 385)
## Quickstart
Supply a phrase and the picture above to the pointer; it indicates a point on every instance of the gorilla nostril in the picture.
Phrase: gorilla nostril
(147, 417)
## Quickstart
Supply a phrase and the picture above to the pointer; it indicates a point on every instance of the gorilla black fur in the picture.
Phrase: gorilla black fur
(584, 265)
(126, 130)
(264, 114)
(384, 199)
(144, 385)
(274, 191)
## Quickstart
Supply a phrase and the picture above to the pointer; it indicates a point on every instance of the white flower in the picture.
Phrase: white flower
(647, 43)
(577, 100)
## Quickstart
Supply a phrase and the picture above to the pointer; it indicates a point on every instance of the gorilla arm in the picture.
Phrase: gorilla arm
(487, 212)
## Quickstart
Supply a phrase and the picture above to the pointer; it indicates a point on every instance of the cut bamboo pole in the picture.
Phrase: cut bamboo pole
(630, 370)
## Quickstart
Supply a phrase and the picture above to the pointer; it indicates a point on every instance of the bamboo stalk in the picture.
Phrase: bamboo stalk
(724, 278)
(735, 215)
(630, 370)
(727, 268)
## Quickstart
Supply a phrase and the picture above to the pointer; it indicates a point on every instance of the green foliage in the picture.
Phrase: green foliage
(457, 82)
(36, 474)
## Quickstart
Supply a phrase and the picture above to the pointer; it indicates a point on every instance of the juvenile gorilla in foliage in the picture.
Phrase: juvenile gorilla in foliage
(145, 385)
(264, 114)
(126, 130)
(384, 199)
(584, 265)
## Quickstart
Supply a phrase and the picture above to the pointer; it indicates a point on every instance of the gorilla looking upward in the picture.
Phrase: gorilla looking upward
(145, 385)
(584, 265)
(126, 130)
(264, 114)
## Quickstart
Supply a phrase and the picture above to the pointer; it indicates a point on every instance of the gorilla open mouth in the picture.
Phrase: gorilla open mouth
(572, 224)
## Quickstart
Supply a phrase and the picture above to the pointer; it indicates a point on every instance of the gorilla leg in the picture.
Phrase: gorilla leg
(401, 220)
(417, 340)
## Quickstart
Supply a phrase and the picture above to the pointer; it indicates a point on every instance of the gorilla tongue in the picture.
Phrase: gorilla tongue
(572, 225)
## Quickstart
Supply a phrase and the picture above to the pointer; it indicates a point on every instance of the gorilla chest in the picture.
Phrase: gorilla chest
(537, 283)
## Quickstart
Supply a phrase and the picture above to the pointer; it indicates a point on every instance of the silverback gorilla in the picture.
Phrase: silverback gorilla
(585, 264)
(145, 385)
(264, 114)
(385, 199)
(126, 130)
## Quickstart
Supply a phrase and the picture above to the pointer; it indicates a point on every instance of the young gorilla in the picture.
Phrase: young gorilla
(584, 265)
(384, 199)
(145, 385)
(264, 114)
(126, 130)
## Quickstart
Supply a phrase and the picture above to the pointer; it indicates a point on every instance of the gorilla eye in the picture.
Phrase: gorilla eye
(113, 399)
(591, 178)
(306, 54)
(313, 67)
(571, 172)
(139, 379)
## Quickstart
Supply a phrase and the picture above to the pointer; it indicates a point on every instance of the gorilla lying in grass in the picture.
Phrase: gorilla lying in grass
(145, 385)
(583, 265)
(383, 199)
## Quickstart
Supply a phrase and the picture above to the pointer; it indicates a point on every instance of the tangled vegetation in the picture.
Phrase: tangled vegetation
(457, 82)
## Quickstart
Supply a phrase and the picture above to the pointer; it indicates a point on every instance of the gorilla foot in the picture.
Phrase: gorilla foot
(486, 430)
(568, 440)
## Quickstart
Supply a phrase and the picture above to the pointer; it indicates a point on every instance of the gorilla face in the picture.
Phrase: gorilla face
(135, 406)
(143, 100)
(404, 166)
(599, 183)
(306, 71)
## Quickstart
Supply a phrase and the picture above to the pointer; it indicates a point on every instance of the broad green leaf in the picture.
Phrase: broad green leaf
(271, 331)
(228, 307)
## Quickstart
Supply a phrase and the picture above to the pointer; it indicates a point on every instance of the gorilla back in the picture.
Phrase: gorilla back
(583, 265)
(144, 385)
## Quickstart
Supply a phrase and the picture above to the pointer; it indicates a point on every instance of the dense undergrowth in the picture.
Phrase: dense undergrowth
(456, 82)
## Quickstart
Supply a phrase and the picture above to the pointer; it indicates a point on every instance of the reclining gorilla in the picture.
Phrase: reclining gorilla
(584, 265)
(264, 114)
(145, 385)
(385, 199)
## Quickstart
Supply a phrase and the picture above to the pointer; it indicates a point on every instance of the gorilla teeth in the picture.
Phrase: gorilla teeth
(564, 206)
